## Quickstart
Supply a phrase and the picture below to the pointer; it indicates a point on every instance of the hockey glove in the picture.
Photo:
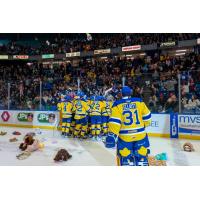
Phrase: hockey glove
(110, 140)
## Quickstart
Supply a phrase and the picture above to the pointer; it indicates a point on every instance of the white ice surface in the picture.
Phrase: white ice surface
(87, 152)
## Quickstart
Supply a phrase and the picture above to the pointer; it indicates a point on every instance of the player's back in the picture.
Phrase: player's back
(81, 109)
(96, 108)
(106, 111)
(129, 118)
(66, 109)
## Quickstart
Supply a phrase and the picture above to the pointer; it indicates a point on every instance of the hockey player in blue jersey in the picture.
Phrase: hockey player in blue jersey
(126, 127)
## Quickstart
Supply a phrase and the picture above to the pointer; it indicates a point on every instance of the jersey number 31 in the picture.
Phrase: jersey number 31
(129, 117)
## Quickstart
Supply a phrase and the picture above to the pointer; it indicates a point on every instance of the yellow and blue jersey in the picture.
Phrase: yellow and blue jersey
(128, 119)
(96, 108)
(81, 109)
(65, 108)
(106, 111)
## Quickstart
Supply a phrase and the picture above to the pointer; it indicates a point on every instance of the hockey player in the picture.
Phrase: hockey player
(65, 107)
(73, 114)
(95, 115)
(106, 111)
(81, 110)
(129, 117)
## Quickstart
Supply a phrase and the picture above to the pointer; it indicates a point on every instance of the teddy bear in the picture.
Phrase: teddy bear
(188, 147)
(62, 155)
(30, 143)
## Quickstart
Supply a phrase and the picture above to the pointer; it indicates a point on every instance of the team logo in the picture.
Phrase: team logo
(5, 116)
(25, 117)
(46, 118)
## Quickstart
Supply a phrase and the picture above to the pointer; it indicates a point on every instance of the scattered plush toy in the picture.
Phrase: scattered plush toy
(41, 145)
(161, 156)
(2, 133)
(24, 155)
(154, 162)
(14, 139)
(62, 155)
(16, 133)
(29, 144)
(188, 147)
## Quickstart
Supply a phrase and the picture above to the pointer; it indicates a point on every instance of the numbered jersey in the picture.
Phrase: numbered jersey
(80, 109)
(65, 108)
(96, 108)
(106, 111)
(129, 118)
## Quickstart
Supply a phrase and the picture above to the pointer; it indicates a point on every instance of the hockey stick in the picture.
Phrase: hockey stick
(56, 127)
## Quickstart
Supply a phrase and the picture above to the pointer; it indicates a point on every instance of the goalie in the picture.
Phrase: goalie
(126, 127)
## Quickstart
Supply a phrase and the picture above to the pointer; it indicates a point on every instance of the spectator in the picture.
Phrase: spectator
(193, 103)
(153, 103)
(171, 105)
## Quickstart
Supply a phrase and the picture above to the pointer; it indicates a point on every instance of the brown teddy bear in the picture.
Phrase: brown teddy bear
(188, 147)
(28, 140)
(62, 155)
(30, 143)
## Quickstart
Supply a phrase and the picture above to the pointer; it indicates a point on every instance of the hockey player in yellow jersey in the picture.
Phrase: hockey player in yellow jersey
(129, 117)
(106, 111)
(72, 128)
(65, 107)
(95, 115)
(81, 110)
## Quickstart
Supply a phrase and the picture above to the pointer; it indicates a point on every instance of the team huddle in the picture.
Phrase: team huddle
(84, 117)
(122, 122)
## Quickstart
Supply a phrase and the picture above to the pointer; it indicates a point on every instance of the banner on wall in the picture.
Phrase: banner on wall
(47, 56)
(5, 116)
(168, 44)
(189, 124)
(160, 124)
(46, 117)
(3, 57)
(102, 51)
(27, 118)
(132, 48)
(21, 57)
(73, 54)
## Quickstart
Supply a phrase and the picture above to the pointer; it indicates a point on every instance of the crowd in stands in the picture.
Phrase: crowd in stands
(63, 43)
(153, 78)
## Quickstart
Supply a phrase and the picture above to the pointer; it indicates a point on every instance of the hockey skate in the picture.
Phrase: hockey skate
(90, 135)
(68, 134)
(84, 137)
(63, 134)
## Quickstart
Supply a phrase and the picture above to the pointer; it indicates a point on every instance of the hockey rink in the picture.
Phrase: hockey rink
(87, 152)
